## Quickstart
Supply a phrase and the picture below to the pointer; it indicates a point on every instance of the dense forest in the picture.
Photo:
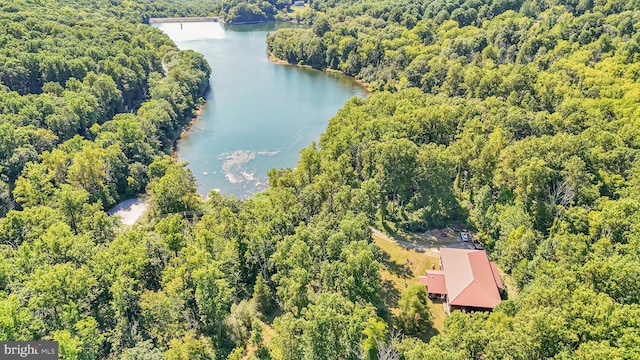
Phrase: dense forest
(87, 101)
(258, 11)
(520, 119)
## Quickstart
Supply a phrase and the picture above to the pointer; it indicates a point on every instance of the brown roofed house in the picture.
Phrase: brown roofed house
(468, 280)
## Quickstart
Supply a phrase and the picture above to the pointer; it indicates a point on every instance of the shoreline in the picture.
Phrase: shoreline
(251, 22)
(274, 60)
(186, 129)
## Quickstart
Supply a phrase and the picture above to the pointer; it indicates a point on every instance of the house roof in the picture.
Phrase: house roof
(435, 282)
(470, 279)
(496, 276)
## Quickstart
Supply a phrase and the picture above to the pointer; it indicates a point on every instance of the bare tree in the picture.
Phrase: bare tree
(562, 194)
(386, 351)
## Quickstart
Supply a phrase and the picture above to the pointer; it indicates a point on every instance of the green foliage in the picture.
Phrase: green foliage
(240, 321)
(376, 333)
(142, 351)
(190, 347)
(256, 333)
(250, 13)
(513, 108)
(80, 85)
(236, 354)
(414, 317)
(519, 117)
(174, 192)
(331, 328)
(172, 229)
(262, 296)
(356, 274)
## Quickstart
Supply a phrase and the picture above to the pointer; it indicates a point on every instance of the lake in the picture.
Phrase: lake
(258, 115)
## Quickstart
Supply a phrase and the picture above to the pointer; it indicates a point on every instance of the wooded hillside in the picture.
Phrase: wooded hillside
(519, 119)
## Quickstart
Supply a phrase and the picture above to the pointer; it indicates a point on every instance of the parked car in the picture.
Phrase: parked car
(477, 245)
(464, 236)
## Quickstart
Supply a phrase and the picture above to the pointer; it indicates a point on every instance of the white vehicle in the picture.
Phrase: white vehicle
(464, 236)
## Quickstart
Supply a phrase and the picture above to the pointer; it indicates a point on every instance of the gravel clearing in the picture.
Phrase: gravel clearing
(130, 210)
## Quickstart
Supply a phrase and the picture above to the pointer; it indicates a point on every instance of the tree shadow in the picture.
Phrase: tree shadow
(424, 335)
(395, 234)
(395, 268)
(432, 331)
(275, 312)
(392, 232)
(390, 298)
(391, 295)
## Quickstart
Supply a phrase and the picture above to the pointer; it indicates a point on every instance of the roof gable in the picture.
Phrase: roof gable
(435, 282)
(475, 296)
(469, 278)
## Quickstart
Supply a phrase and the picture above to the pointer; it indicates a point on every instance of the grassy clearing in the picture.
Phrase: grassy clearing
(395, 276)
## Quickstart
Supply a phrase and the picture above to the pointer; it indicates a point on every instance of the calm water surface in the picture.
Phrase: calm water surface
(258, 115)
